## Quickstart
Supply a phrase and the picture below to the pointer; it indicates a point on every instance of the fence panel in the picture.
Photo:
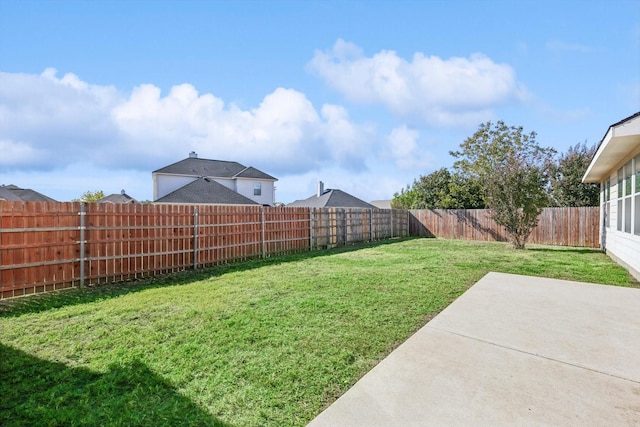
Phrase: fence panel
(228, 233)
(48, 246)
(39, 247)
(286, 230)
(571, 226)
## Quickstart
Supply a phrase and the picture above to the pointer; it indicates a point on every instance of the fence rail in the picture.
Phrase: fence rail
(572, 226)
(47, 246)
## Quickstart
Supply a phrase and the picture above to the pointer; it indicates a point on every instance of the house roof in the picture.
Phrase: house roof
(620, 140)
(206, 190)
(332, 199)
(382, 204)
(7, 194)
(195, 166)
(254, 173)
(121, 197)
(13, 192)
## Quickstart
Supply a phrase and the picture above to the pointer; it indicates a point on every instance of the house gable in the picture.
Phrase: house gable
(205, 190)
(253, 173)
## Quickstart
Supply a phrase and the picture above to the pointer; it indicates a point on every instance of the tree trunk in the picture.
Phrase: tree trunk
(517, 243)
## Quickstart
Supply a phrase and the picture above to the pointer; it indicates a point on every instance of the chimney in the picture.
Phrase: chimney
(320, 188)
(122, 192)
(193, 155)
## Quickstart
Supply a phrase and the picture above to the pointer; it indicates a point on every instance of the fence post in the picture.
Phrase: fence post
(391, 217)
(407, 226)
(345, 213)
(264, 248)
(311, 217)
(82, 214)
(370, 225)
(195, 238)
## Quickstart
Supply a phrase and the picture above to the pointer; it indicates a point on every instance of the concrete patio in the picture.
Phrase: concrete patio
(512, 350)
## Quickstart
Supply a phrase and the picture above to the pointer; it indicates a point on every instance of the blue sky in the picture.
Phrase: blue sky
(363, 95)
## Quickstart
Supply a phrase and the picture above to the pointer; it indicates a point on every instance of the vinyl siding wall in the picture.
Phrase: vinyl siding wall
(245, 187)
(622, 244)
(165, 184)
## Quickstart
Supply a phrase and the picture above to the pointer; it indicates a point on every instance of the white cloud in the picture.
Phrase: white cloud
(348, 143)
(63, 136)
(54, 120)
(285, 131)
(402, 144)
(48, 122)
(366, 185)
(15, 153)
(426, 89)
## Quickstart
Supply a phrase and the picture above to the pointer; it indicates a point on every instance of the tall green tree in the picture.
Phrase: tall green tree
(440, 189)
(90, 196)
(567, 188)
(514, 171)
(464, 193)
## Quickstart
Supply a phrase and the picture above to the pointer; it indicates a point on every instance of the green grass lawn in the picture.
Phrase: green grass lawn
(268, 342)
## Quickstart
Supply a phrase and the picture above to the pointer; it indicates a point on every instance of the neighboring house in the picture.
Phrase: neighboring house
(331, 199)
(193, 180)
(13, 192)
(206, 190)
(382, 204)
(122, 197)
(616, 166)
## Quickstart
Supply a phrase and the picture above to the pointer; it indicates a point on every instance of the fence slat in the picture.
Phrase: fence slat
(566, 226)
(46, 246)
(41, 250)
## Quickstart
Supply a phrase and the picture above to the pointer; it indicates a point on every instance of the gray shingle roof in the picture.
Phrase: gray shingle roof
(332, 199)
(121, 197)
(381, 204)
(13, 192)
(205, 190)
(203, 167)
(252, 172)
(7, 194)
(213, 168)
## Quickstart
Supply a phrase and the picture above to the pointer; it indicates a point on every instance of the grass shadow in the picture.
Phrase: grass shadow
(38, 392)
(565, 249)
(36, 303)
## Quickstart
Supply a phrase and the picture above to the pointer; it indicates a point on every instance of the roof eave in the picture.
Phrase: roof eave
(621, 139)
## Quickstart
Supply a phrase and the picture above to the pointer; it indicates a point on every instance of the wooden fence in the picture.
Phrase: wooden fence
(556, 226)
(47, 246)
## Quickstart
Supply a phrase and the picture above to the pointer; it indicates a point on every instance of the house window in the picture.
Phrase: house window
(257, 189)
(636, 225)
(607, 203)
(620, 191)
(629, 197)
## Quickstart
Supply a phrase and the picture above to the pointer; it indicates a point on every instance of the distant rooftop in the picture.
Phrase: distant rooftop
(121, 197)
(194, 166)
(332, 199)
(382, 204)
(206, 190)
(13, 192)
